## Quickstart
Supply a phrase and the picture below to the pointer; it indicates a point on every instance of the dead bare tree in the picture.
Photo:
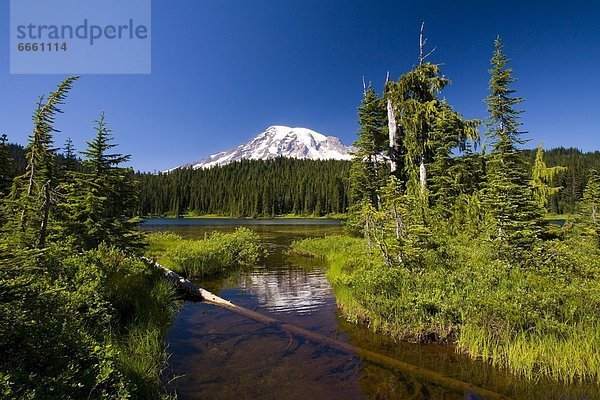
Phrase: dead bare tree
(422, 43)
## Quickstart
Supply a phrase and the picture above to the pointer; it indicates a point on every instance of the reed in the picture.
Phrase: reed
(539, 321)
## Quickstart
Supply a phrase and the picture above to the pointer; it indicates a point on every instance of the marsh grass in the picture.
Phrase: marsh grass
(570, 358)
(143, 358)
(538, 321)
(144, 305)
(211, 256)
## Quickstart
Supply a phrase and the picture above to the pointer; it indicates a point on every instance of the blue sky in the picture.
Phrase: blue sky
(223, 71)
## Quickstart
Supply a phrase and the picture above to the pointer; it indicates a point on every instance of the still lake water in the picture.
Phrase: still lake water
(217, 354)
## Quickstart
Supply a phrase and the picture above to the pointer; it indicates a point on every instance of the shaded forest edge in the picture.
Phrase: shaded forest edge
(301, 188)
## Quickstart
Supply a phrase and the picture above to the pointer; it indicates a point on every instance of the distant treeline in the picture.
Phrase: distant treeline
(249, 188)
(18, 162)
(573, 180)
(304, 187)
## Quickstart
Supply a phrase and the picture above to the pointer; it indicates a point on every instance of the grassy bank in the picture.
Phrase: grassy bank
(212, 255)
(92, 326)
(537, 320)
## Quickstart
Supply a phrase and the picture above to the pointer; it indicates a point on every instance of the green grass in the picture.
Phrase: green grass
(92, 325)
(160, 242)
(536, 321)
(570, 356)
(213, 255)
(559, 216)
(144, 305)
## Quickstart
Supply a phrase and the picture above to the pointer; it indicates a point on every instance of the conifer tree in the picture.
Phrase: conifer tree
(542, 177)
(415, 98)
(424, 132)
(430, 131)
(70, 159)
(589, 209)
(453, 178)
(32, 192)
(366, 173)
(102, 198)
(508, 196)
(428, 128)
(5, 165)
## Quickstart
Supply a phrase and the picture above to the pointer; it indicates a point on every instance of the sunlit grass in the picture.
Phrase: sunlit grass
(571, 357)
(535, 322)
(212, 255)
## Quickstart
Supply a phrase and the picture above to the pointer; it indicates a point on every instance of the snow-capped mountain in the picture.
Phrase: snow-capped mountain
(281, 141)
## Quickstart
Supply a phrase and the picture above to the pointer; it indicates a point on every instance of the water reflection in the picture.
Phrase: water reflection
(221, 355)
(288, 291)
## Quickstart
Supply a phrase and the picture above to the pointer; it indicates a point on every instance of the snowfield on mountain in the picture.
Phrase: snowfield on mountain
(281, 141)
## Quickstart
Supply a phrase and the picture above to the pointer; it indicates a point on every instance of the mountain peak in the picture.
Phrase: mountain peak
(280, 132)
(281, 141)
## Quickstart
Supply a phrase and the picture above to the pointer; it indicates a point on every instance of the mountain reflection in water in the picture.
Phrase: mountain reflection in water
(296, 291)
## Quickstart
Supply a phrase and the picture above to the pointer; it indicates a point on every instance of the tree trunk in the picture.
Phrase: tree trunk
(367, 233)
(423, 176)
(392, 128)
(29, 186)
(45, 214)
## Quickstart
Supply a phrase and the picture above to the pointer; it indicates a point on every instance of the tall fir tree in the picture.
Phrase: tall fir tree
(416, 99)
(368, 172)
(32, 193)
(589, 208)
(429, 132)
(424, 133)
(516, 216)
(454, 169)
(102, 199)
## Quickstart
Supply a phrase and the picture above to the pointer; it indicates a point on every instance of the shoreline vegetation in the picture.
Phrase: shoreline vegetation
(534, 322)
(211, 256)
(449, 245)
(81, 316)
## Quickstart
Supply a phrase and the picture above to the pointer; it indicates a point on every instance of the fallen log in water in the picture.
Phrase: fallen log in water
(188, 286)
(375, 358)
